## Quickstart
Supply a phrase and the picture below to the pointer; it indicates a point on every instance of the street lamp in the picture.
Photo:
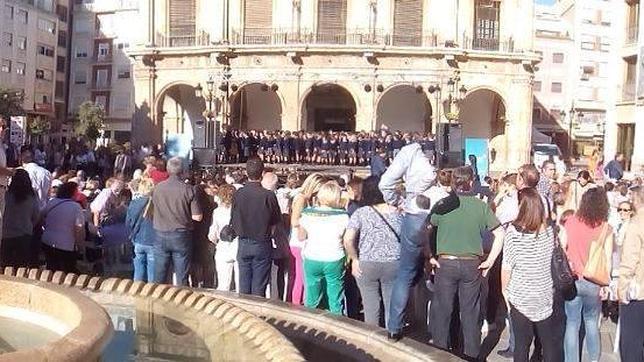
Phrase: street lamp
(571, 123)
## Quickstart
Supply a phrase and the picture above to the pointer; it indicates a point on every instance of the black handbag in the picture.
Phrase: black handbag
(563, 279)
(227, 233)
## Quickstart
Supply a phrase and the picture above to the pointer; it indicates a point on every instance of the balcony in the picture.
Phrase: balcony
(632, 34)
(179, 40)
(101, 86)
(374, 37)
(628, 91)
(102, 59)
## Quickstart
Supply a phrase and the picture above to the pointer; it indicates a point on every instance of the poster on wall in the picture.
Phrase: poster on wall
(477, 150)
(17, 130)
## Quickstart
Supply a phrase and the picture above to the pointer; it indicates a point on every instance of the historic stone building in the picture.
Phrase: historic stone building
(339, 64)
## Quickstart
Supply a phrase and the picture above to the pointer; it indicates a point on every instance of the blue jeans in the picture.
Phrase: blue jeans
(143, 262)
(254, 259)
(411, 245)
(176, 246)
(587, 307)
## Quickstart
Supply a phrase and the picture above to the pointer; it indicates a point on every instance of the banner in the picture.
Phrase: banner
(17, 130)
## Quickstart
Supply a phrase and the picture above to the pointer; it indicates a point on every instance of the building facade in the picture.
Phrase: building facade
(624, 122)
(576, 39)
(552, 91)
(101, 71)
(33, 53)
(339, 64)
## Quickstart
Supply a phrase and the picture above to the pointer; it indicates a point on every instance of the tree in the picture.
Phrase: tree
(11, 103)
(91, 118)
(39, 125)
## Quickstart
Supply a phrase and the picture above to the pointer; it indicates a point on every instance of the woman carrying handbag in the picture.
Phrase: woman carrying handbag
(589, 250)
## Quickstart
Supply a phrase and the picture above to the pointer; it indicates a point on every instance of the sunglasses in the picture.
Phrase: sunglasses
(624, 210)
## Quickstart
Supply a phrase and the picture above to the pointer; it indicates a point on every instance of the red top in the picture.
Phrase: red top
(158, 176)
(579, 237)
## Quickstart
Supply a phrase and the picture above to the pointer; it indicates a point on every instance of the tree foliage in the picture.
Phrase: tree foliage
(39, 125)
(91, 118)
(11, 103)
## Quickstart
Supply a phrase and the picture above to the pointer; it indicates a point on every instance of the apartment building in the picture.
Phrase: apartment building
(412, 65)
(624, 123)
(552, 92)
(103, 30)
(33, 54)
(576, 39)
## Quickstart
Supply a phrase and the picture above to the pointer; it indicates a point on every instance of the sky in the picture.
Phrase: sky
(545, 2)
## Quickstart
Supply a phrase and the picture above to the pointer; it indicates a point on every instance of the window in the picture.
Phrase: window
(102, 78)
(123, 45)
(121, 102)
(59, 90)
(60, 64)
(7, 39)
(22, 42)
(20, 68)
(42, 98)
(81, 25)
(124, 72)
(61, 11)
(47, 26)
(103, 50)
(62, 39)
(8, 12)
(555, 87)
(6, 66)
(81, 51)
(23, 16)
(80, 77)
(487, 24)
(536, 86)
(557, 58)
(101, 100)
(47, 5)
(45, 50)
(44, 74)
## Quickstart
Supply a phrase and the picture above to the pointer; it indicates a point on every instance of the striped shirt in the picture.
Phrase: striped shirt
(527, 257)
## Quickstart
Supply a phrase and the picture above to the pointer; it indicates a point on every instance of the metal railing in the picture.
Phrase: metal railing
(183, 40)
(632, 33)
(102, 58)
(377, 37)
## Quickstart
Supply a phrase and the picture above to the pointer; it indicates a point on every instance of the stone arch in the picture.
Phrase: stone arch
(180, 114)
(256, 106)
(328, 106)
(483, 116)
(404, 107)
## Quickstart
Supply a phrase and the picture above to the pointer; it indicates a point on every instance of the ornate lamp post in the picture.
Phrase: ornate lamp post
(209, 115)
(572, 124)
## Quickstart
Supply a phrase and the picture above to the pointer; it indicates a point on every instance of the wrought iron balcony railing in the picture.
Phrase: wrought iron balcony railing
(376, 37)
(201, 38)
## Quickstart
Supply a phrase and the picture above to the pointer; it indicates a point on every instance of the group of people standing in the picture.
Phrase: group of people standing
(479, 250)
(327, 148)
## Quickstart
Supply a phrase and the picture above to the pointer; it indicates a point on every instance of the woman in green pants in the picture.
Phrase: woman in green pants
(323, 227)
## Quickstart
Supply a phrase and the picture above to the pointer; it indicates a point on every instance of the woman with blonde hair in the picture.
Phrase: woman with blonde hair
(323, 227)
(226, 249)
(301, 201)
(141, 231)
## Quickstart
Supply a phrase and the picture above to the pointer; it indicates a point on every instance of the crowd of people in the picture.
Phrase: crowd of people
(480, 248)
(324, 148)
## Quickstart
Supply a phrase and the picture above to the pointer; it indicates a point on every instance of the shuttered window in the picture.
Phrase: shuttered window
(258, 21)
(487, 24)
(182, 20)
(408, 22)
(332, 21)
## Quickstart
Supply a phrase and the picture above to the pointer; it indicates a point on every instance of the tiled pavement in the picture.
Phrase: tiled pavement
(608, 330)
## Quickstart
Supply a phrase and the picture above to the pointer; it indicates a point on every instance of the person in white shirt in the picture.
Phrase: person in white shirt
(64, 228)
(226, 251)
(323, 228)
(40, 177)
